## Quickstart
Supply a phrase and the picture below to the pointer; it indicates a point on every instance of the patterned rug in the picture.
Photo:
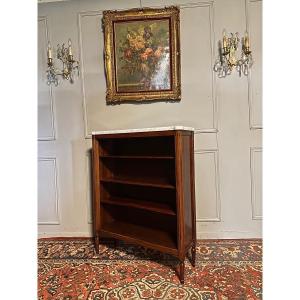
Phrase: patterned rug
(68, 269)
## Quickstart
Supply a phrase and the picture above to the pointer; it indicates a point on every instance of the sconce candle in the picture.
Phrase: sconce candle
(224, 39)
(70, 48)
(246, 40)
(49, 52)
(227, 59)
(70, 66)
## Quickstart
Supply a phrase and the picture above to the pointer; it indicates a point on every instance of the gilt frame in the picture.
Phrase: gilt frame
(110, 18)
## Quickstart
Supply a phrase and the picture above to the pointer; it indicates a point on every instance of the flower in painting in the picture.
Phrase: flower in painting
(141, 52)
(128, 54)
(147, 33)
(148, 51)
(158, 52)
(144, 56)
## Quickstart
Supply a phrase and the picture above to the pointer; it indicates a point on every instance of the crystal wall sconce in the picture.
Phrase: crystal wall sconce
(70, 67)
(227, 59)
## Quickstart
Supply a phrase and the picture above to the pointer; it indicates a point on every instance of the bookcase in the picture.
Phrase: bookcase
(143, 189)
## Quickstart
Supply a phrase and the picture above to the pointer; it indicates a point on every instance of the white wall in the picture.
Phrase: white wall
(225, 112)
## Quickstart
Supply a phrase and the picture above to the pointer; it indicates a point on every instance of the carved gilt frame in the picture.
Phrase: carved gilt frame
(109, 19)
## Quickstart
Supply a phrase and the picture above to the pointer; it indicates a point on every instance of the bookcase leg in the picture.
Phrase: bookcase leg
(97, 244)
(181, 272)
(194, 254)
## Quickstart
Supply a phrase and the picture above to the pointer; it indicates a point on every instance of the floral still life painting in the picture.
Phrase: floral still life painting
(142, 54)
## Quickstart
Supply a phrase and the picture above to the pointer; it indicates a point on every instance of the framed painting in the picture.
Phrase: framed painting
(142, 54)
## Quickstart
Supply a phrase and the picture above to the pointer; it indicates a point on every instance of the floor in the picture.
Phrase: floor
(68, 269)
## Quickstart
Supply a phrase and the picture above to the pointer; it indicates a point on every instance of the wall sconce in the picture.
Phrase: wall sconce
(227, 60)
(70, 67)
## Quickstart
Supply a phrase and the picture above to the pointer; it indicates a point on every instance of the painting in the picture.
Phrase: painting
(142, 54)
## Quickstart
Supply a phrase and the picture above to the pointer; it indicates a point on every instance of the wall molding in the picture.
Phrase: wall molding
(210, 5)
(252, 125)
(52, 137)
(49, 1)
(187, 4)
(80, 16)
(254, 150)
(57, 221)
(215, 152)
(206, 130)
(213, 74)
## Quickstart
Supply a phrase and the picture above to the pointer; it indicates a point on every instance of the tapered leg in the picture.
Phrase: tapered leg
(181, 272)
(97, 244)
(193, 254)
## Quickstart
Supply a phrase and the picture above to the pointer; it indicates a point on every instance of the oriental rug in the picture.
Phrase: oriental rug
(69, 269)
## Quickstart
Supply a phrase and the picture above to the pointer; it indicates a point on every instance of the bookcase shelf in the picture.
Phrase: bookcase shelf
(144, 235)
(143, 190)
(137, 157)
(160, 207)
(139, 181)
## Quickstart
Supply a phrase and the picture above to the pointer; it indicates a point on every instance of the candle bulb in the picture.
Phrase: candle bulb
(70, 48)
(246, 40)
(49, 52)
(224, 39)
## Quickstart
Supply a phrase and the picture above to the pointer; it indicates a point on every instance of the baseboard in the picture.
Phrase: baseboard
(220, 235)
(111, 240)
(64, 235)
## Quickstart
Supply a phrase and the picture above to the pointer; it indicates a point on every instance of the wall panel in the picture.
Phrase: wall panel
(92, 65)
(46, 130)
(254, 24)
(205, 141)
(48, 208)
(207, 186)
(197, 74)
(256, 182)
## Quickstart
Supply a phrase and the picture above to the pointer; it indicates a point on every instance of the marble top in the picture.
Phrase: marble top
(144, 130)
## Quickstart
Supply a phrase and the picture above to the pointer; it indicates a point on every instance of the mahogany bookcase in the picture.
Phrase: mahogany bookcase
(143, 190)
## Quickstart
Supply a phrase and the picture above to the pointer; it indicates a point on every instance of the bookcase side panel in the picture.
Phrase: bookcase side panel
(187, 199)
(96, 186)
(179, 195)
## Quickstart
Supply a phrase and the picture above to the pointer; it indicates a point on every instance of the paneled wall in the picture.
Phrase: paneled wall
(226, 114)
